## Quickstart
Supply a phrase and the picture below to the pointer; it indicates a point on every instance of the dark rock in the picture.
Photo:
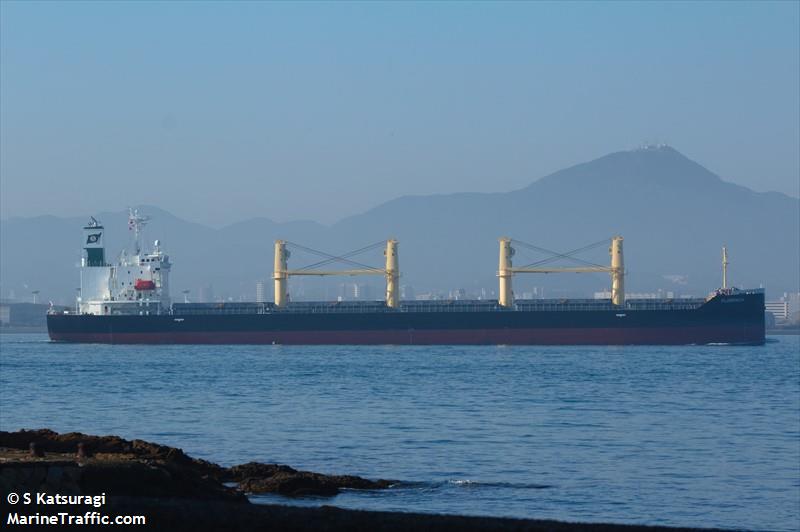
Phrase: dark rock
(256, 470)
(255, 477)
(35, 450)
(153, 478)
(123, 468)
(50, 441)
(82, 451)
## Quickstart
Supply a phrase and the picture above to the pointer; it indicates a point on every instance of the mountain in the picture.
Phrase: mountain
(673, 213)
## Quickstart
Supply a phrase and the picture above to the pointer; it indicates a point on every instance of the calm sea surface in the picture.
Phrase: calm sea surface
(696, 436)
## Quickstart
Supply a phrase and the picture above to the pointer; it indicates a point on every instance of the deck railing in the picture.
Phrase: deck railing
(372, 307)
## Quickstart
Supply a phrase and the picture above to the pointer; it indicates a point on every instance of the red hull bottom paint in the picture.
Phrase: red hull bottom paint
(556, 336)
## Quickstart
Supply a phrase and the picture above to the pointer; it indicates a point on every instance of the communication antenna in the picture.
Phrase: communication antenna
(136, 223)
(724, 267)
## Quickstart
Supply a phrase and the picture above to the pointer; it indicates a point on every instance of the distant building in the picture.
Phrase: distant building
(533, 293)
(407, 292)
(784, 309)
(23, 314)
(205, 294)
(355, 291)
(260, 293)
(793, 300)
(779, 309)
(457, 294)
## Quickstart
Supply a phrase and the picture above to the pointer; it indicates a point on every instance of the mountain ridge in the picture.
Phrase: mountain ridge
(553, 175)
(674, 214)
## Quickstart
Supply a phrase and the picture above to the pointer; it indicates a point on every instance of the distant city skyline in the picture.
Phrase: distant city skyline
(221, 112)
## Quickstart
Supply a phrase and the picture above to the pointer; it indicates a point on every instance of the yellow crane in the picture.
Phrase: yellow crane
(281, 272)
(617, 271)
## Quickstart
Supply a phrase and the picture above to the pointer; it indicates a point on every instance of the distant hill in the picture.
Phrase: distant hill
(673, 213)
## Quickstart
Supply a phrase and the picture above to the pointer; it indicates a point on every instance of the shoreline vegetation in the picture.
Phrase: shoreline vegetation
(178, 492)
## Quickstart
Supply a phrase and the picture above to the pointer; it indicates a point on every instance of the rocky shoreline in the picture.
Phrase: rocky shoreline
(108, 459)
(177, 492)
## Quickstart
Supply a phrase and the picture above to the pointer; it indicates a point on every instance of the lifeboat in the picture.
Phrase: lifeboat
(142, 284)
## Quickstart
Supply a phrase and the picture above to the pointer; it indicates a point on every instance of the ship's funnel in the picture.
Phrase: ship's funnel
(94, 251)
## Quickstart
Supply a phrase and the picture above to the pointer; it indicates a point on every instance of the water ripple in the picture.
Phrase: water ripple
(686, 436)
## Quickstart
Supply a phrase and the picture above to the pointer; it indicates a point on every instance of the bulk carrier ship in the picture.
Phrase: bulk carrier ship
(129, 303)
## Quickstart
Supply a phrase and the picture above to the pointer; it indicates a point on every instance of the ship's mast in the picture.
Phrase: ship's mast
(136, 223)
(279, 274)
(617, 272)
(724, 267)
(504, 273)
(392, 274)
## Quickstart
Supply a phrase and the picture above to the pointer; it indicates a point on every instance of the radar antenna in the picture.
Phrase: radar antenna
(136, 223)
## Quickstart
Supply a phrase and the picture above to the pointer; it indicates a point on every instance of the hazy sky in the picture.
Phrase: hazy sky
(220, 112)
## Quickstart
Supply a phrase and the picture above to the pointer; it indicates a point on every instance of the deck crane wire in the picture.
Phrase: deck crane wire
(333, 258)
(567, 255)
(370, 247)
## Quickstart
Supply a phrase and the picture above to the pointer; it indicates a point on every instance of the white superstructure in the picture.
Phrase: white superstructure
(137, 284)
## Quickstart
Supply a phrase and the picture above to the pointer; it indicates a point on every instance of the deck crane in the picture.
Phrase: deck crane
(281, 272)
(616, 269)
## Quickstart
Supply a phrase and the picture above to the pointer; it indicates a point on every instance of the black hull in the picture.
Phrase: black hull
(725, 319)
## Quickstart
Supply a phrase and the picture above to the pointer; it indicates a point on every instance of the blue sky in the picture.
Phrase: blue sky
(224, 111)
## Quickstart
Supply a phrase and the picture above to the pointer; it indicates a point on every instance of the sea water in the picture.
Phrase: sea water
(691, 436)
